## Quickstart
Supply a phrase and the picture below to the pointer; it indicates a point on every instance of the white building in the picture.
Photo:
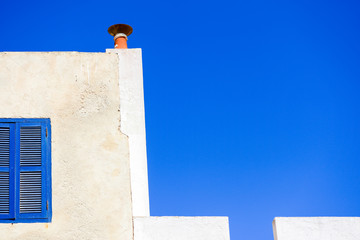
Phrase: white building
(73, 152)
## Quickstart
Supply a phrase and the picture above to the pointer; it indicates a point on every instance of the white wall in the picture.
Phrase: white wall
(80, 93)
(316, 228)
(181, 228)
(99, 167)
(133, 124)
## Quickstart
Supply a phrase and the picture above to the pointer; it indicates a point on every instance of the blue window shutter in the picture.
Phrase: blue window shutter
(31, 169)
(7, 171)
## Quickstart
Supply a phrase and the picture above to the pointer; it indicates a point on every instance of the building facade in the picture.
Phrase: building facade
(94, 183)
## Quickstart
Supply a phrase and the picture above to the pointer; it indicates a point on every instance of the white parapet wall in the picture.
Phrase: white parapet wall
(181, 228)
(316, 228)
(133, 124)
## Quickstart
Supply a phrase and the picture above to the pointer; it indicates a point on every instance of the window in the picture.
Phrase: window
(25, 170)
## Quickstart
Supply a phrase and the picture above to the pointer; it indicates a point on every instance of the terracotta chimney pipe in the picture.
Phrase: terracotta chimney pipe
(120, 33)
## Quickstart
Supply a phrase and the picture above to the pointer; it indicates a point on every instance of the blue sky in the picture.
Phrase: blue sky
(252, 107)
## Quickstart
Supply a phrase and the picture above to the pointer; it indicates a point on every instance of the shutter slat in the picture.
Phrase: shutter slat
(4, 147)
(4, 193)
(30, 197)
(4, 176)
(30, 146)
(30, 192)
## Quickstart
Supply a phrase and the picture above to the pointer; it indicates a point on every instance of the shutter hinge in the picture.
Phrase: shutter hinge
(46, 132)
(47, 205)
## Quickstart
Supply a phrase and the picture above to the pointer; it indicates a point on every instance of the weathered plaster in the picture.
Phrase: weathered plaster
(80, 93)
(316, 228)
(133, 124)
(181, 228)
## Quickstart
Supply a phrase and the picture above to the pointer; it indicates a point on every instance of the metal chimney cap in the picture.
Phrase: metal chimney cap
(120, 28)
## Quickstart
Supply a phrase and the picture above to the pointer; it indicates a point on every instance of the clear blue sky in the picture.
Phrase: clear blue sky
(252, 107)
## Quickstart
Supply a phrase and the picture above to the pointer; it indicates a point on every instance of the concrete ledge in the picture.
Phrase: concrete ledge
(316, 228)
(181, 228)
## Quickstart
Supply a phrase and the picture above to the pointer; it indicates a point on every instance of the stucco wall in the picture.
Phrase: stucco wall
(181, 228)
(133, 124)
(79, 92)
(316, 228)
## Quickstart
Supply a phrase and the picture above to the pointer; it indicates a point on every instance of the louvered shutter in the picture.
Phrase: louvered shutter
(31, 170)
(6, 171)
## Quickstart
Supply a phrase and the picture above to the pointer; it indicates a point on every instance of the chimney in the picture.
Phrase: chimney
(120, 33)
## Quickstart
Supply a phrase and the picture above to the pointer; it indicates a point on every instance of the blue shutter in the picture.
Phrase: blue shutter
(31, 198)
(6, 171)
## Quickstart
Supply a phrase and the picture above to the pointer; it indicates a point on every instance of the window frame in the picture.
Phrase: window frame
(46, 197)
